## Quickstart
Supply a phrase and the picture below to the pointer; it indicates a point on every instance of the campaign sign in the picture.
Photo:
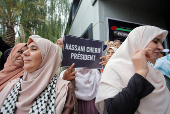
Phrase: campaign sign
(85, 53)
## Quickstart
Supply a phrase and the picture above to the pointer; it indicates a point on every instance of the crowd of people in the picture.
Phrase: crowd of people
(133, 80)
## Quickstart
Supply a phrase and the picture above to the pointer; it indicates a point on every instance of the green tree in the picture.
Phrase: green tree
(27, 14)
(57, 16)
(46, 18)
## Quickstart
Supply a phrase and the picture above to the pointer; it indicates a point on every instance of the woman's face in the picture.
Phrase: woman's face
(156, 47)
(59, 43)
(109, 53)
(32, 57)
(17, 59)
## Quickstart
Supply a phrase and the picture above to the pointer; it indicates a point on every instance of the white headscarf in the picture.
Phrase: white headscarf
(120, 69)
(114, 49)
(87, 82)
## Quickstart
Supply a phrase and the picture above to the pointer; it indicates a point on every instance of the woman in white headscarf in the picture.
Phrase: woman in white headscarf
(110, 51)
(39, 90)
(86, 87)
(129, 84)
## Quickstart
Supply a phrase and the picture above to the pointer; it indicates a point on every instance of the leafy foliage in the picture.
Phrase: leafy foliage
(57, 16)
(46, 18)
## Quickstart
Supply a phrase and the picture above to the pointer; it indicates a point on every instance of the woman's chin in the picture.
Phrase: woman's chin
(28, 69)
(152, 59)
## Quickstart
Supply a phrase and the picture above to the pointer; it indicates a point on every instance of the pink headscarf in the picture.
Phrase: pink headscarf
(61, 40)
(120, 69)
(30, 89)
(11, 71)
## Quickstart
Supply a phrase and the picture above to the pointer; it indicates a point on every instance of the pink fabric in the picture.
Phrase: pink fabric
(120, 69)
(11, 71)
(87, 107)
(61, 40)
(30, 89)
(4, 93)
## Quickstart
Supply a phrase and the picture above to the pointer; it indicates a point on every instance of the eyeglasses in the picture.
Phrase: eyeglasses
(110, 44)
(23, 49)
(108, 53)
(20, 51)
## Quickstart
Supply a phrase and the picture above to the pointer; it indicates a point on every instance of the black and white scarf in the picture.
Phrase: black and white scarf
(43, 104)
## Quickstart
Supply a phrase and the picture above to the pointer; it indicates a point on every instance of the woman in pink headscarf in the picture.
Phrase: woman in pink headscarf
(60, 42)
(13, 67)
(39, 90)
(129, 84)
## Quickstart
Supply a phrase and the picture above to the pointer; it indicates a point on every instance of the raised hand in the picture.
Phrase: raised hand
(68, 74)
(139, 59)
(104, 62)
(106, 43)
